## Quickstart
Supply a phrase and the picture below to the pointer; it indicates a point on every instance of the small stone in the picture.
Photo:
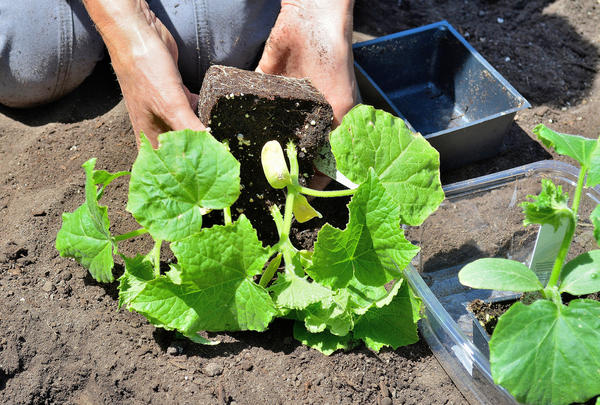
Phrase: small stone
(246, 365)
(213, 369)
(172, 351)
(500, 20)
(387, 401)
(48, 286)
(507, 59)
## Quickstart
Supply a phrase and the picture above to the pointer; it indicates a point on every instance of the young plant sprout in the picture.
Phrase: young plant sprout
(548, 352)
(349, 289)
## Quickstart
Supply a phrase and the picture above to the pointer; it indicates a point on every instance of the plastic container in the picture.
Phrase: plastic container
(433, 79)
(480, 218)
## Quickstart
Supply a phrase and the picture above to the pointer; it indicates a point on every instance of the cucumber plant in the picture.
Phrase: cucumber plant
(548, 352)
(350, 288)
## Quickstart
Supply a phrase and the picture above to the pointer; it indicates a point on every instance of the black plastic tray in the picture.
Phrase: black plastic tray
(433, 79)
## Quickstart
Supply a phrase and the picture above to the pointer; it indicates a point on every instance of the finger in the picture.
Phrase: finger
(184, 118)
(192, 98)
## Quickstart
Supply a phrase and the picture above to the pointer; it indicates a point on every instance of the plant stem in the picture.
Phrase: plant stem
(322, 193)
(292, 155)
(227, 215)
(156, 257)
(568, 238)
(276, 214)
(287, 216)
(130, 235)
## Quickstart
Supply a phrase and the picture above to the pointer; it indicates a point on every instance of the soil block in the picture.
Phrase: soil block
(247, 109)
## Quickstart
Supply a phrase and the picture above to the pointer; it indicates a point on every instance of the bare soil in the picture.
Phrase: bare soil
(63, 340)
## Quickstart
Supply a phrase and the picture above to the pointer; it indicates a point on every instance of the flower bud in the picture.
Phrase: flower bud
(302, 210)
(274, 165)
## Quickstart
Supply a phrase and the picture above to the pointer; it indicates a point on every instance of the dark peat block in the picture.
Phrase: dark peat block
(248, 109)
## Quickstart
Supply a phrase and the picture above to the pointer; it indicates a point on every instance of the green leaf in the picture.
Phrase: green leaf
(85, 234)
(303, 211)
(575, 146)
(546, 353)
(581, 275)
(80, 239)
(404, 161)
(595, 218)
(98, 215)
(389, 322)
(293, 292)
(173, 186)
(213, 288)
(105, 178)
(138, 271)
(549, 207)
(324, 342)
(370, 247)
(499, 274)
(333, 313)
(593, 175)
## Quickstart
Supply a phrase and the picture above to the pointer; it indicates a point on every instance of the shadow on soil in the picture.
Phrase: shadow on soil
(518, 38)
(448, 258)
(98, 94)
(278, 339)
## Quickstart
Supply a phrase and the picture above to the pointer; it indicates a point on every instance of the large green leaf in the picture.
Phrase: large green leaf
(370, 247)
(173, 186)
(80, 239)
(389, 322)
(138, 271)
(593, 175)
(549, 207)
(333, 313)
(213, 289)
(546, 353)
(404, 161)
(581, 275)
(85, 234)
(293, 292)
(575, 146)
(595, 218)
(499, 274)
(324, 342)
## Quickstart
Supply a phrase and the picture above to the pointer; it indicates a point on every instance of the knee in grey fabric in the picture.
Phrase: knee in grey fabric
(47, 48)
(210, 32)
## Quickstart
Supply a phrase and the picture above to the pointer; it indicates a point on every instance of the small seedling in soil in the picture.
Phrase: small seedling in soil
(349, 288)
(548, 352)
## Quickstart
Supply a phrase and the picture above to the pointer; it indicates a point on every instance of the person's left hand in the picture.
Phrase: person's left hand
(313, 39)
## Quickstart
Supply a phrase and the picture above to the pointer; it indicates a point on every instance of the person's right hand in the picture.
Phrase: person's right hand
(144, 57)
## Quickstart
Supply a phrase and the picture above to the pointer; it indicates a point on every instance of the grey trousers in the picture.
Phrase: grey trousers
(48, 47)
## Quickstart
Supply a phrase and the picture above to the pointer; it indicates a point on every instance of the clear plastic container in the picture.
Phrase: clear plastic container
(480, 217)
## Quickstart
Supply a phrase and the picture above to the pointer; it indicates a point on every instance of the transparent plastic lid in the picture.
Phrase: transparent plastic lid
(479, 218)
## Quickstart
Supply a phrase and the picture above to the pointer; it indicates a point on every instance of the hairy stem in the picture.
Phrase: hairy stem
(276, 214)
(155, 253)
(322, 193)
(130, 235)
(287, 216)
(566, 243)
(227, 215)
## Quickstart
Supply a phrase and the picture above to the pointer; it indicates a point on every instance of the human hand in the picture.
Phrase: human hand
(144, 57)
(313, 39)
